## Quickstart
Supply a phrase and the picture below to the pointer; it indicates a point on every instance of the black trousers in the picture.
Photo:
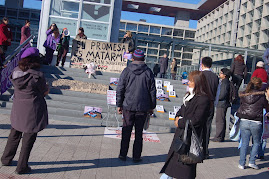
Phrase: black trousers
(237, 80)
(13, 141)
(130, 119)
(220, 123)
(173, 76)
(207, 131)
(61, 55)
(3, 55)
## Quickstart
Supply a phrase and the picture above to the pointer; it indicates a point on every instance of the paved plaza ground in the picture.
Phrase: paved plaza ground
(80, 151)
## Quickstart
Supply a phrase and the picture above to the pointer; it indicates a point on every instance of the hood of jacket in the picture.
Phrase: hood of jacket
(138, 67)
(251, 97)
(20, 78)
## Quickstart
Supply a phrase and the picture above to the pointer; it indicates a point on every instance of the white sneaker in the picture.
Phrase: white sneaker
(254, 166)
(241, 167)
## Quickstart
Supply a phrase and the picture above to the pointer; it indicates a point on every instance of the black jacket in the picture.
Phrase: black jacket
(239, 68)
(251, 105)
(213, 82)
(163, 65)
(197, 109)
(136, 90)
(130, 42)
(224, 95)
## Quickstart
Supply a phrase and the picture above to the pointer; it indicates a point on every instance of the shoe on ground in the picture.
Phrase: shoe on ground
(122, 158)
(254, 166)
(217, 140)
(6, 164)
(26, 171)
(241, 167)
(136, 160)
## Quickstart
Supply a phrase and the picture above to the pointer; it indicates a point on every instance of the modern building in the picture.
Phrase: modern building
(238, 23)
(156, 49)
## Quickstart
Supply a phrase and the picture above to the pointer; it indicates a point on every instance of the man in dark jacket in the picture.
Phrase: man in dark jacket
(222, 102)
(212, 81)
(136, 96)
(163, 65)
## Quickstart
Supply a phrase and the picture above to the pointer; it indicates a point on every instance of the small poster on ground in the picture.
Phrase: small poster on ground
(176, 108)
(160, 92)
(159, 108)
(114, 81)
(159, 82)
(172, 94)
(162, 97)
(185, 81)
(166, 83)
(111, 97)
(115, 133)
(170, 88)
(172, 115)
(159, 86)
(93, 112)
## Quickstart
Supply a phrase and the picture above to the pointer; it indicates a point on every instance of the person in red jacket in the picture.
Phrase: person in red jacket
(25, 31)
(261, 73)
(5, 37)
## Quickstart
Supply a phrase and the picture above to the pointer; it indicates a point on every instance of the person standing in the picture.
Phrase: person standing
(81, 34)
(128, 39)
(63, 47)
(25, 31)
(53, 38)
(163, 65)
(261, 73)
(266, 60)
(250, 112)
(5, 37)
(136, 97)
(213, 82)
(29, 113)
(196, 106)
(239, 72)
(174, 68)
(222, 103)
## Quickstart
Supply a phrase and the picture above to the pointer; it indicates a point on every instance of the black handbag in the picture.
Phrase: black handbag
(179, 144)
(195, 153)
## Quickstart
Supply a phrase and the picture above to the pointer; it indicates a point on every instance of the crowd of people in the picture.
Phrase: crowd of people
(136, 99)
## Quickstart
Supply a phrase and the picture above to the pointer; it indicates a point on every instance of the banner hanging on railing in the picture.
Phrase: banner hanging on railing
(107, 57)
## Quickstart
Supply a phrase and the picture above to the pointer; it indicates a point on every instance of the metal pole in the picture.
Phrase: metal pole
(209, 50)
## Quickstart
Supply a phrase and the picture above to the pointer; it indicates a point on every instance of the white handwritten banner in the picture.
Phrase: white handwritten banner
(111, 97)
(108, 57)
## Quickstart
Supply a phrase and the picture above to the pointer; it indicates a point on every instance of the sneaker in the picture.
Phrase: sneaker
(241, 167)
(254, 166)
(136, 160)
(25, 171)
(122, 158)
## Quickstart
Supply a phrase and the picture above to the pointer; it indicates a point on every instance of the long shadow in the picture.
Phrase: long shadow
(5, 126)
(64, 126)
(262, 175)
(95, 163)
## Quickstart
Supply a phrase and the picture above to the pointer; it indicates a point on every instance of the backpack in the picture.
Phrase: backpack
(232, 97)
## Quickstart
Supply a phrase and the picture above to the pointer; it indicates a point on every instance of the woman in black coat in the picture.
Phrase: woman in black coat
(195, 107)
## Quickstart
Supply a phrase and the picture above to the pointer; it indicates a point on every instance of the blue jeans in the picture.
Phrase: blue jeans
(247, 129)
(262, 148)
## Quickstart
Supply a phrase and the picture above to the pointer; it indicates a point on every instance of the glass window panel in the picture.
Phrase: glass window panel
(141, 43)
(164, 46)
(122, 25)
(24, 15)
(11, 13)
(35, 15)
(178, 47)
(185, 49)
(185, 62)
(187, 55)
(162, 52)
(71, 25)
(178, 33)
(177, 54)
(132, 27)
(166, 31)
(155, 30)
(99, 1)
(153, 44)
(143, 49)
(95, 30)
(64, 8)
(189, 34)
(143, 28)
(151, 59)
(152, 52)
(95, 12)
(2, 12)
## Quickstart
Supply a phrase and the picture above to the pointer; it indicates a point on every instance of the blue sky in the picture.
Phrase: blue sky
(128, 15)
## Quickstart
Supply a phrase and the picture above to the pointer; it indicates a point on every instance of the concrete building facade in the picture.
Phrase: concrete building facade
(239, 23)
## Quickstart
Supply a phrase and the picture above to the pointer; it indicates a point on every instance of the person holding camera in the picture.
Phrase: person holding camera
(63, 46)
(53, 38)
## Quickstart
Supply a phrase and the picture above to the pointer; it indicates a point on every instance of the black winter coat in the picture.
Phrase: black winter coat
(213, 82)
(163, 65)
(251, 105)
(130, 42)
(136, 90)
(197, 109)
(239, 68)
(224, 94)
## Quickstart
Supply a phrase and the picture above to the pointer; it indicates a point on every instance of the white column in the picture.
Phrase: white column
(43, 25)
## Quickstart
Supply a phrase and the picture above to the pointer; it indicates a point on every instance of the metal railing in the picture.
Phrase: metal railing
(18, 49)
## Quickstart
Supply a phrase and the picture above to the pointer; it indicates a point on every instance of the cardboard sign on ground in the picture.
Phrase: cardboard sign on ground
(115, 133)
(159, 108)
(166, 83)
(176, 108)
(172, 115)
(160, 92)
(172, 94)
(114, 81)
(159, 82)
(170, 88)
(93, 112)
